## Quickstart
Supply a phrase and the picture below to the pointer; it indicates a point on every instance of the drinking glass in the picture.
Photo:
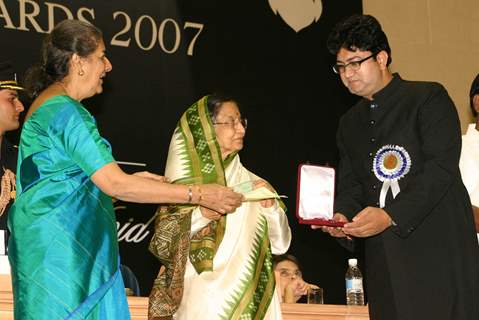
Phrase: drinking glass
(315, 295)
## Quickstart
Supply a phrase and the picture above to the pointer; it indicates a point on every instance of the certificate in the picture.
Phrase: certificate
(250, 193)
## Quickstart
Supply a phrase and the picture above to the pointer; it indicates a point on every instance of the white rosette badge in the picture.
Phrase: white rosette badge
(390, 164)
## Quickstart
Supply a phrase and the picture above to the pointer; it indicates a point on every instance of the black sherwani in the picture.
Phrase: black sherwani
(426, 267)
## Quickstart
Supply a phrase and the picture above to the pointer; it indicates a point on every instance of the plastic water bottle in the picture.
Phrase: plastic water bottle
(354, 284)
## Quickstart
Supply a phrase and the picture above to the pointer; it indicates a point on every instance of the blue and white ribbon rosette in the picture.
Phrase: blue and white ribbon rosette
(390, 164)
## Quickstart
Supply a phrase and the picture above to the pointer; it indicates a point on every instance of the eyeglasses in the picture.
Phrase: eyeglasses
(354, 65)
(286, 273)
(234, 123)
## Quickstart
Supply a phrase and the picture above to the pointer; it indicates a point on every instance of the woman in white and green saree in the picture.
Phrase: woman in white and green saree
(216, 266)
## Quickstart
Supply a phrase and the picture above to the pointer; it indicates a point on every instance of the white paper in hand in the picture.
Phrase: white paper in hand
(251, 194)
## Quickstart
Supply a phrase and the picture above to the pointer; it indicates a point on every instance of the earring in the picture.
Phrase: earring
(81, 73)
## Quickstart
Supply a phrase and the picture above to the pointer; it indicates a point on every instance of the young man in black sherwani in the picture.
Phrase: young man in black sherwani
(399, 188)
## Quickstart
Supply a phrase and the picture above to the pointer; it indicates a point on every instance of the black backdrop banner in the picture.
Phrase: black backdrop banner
(269, 54)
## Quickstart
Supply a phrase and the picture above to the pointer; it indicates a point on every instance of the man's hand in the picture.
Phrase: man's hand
(368, 222)
(476, 217)
(334, 231)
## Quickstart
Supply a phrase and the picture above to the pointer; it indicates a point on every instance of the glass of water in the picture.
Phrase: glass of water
(315, 295)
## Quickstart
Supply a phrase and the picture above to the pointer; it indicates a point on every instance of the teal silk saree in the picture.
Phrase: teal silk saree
(63, 249)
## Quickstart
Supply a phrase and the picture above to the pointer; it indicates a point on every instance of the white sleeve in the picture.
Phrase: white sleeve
(475, 197)
(278, 228)
(468, 165)
(198, 222)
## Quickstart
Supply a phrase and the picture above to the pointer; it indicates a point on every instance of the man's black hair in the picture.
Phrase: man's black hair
(359, 32)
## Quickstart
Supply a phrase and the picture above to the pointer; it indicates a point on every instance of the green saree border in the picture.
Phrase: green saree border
(258, 282)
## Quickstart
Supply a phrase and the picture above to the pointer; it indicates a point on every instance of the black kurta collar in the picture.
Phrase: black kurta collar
(373, 110)
(381, 96)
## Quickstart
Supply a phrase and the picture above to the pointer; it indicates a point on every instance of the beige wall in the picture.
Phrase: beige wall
(434, 40)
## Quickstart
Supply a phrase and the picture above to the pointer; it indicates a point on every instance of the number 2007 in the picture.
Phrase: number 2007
(157, 33)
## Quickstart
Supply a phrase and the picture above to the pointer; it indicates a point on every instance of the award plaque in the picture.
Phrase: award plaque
(315, 195)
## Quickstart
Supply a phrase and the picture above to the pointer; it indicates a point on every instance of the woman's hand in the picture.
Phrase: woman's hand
(210, 214)
(217, 198)
(267, 203)
(149, 175)
(295, 289)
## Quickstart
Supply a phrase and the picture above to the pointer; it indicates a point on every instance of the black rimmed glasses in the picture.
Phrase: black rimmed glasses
(234, 122)
(353, 65)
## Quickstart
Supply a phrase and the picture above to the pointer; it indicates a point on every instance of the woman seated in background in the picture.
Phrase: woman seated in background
(289, 278)
(218, 266)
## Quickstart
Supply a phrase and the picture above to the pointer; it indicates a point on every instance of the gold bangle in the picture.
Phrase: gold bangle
(190, 194)
(199, 194)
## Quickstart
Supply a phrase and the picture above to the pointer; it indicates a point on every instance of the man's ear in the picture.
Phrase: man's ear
(382, 58)
(475, 102)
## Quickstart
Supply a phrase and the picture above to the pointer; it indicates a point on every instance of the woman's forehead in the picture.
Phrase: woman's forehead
(287, 264)
(229, 108)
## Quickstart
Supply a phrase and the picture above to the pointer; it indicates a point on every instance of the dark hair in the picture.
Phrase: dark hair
(472, 92)
(66, 38)
(215, 101)
(359, 32)
(285, 257)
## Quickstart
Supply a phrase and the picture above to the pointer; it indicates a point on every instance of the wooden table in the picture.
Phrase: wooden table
(139, 308)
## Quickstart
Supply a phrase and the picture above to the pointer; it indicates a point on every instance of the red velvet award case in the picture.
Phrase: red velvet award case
(315, 195)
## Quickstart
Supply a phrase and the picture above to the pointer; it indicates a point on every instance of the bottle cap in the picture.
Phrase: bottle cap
(353, 262)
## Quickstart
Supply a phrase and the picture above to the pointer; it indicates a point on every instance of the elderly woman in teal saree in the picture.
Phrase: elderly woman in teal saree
(216, 266)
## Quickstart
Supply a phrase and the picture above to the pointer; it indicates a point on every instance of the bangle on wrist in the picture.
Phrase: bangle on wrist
(199, 194)
(190, 193)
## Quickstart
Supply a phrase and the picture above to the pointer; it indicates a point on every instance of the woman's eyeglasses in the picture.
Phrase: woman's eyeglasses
(234, 123)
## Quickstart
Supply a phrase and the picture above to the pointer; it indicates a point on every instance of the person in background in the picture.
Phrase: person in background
(289, 278)
(132, 287)
(10, 109)
(216, 266)
(469, 162)
(63, 248)
(399, 189)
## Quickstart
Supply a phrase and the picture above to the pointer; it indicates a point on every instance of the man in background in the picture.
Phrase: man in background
(469, 162)
(399, 188)
(10, 109)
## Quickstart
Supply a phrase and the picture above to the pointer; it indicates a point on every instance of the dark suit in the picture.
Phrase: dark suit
(426, 267)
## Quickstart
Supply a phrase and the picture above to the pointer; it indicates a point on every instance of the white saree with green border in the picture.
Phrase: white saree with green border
(214, 270)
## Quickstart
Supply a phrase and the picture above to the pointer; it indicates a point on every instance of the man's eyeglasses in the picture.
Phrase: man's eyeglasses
(353, 65)
(234, 123)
